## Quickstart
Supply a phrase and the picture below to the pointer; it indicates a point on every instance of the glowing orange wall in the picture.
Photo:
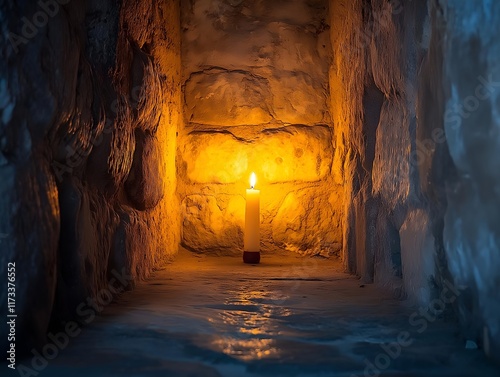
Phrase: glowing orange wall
(257, 98)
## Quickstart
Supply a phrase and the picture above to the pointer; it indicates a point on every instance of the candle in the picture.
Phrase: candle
(252, 224)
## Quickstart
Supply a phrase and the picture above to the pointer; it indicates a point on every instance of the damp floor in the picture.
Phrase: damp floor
(289, 316)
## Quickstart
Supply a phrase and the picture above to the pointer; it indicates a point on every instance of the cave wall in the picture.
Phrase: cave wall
(373, 130)
(89, 105)
(470, 110)
(388, 229)
(256, 98)
(418, 90)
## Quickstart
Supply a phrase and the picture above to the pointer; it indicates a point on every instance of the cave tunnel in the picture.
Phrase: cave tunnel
(133, 243)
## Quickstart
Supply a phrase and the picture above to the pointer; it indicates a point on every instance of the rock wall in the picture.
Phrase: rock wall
(388, 228)
(89, 110)
(256, 98)
(417, 107)
(470, 110)
(372, 126)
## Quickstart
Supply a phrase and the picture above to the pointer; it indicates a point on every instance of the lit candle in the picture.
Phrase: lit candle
(252, 224)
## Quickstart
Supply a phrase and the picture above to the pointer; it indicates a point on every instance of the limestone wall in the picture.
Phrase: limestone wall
(89, 109)
(256, 98)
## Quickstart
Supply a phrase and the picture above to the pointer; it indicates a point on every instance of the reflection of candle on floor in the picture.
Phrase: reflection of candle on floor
(252, 224)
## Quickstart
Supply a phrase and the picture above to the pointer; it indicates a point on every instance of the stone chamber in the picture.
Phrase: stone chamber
(128, 132)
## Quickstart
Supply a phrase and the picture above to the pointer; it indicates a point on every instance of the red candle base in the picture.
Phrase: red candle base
(251, 257)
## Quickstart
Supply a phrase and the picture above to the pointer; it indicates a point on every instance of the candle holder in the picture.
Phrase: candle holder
(251, 257)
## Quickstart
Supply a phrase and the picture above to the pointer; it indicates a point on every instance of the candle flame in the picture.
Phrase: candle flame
(253, 180)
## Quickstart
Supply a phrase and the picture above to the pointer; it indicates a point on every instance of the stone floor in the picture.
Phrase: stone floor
(215, 316)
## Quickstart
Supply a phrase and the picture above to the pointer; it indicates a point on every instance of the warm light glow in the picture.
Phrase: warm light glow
(254, 322)
(253, 180)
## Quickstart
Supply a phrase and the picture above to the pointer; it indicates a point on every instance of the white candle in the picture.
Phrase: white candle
(252, 217)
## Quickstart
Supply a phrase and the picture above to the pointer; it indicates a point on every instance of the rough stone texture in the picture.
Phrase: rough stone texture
(227, 98)
(471, 238)
(306, 222)
(144, 185)
(86, 104)
(209, 224)
(252, 62)
(256, 97)
(421, 150)
(391, 166)
(407, 180)
(287, 154)
(29, 231)
(387, 256)
(417, 256)
(373, 106)
(346, 85)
